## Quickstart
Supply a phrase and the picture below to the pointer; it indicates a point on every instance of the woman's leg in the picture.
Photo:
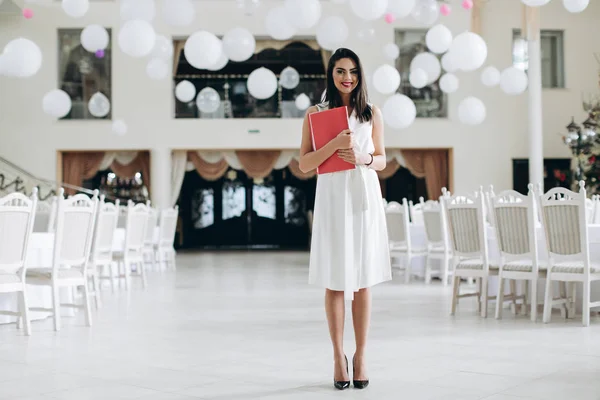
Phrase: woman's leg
(361, 318)
(334, 307)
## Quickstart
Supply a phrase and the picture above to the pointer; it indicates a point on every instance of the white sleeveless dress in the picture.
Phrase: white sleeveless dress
(350, 248)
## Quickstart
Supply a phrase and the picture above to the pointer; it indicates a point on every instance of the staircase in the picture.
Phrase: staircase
(15, 179)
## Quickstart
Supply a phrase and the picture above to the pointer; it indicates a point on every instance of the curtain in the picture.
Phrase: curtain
(390, 169)
(78, 166)
(431, 165)
(178, 46)
(295, 170)
(178, 166)
(326, 55)
(258, 164)
(141, 163)
(284, 159)
(208, 171)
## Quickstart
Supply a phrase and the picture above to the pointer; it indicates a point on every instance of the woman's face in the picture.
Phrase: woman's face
(345, 75)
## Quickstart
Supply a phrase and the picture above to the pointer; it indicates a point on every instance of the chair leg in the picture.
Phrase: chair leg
(548, 299)
(445, 266)
(533, 299)
(455, 292)
(87, 304)
(24, 312)
(572, 294)
(585, 309)
(500, 297)
(407, 269)
(525, 297)
(56, 306)
(479, 281)
(484, 294)
(142, 272)
(127, 273)
(113, 275)
(96, 282)
(427, 269)
(172, 256)
(564, 307)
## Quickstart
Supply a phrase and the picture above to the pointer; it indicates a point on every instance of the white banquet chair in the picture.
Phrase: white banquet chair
(166, 236)
(132, 253)
(75, 221)
(566, 227)
(416, 213)
(102, 247)
(149, 240)
(468, 238)
(17, 215)
(515, 218)
(438, 242)
(398, 226)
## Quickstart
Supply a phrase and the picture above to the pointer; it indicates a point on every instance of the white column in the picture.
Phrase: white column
(536, 138)
(160, 177)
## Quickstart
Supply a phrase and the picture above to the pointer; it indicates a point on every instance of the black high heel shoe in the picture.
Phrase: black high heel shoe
(341, 385)
(358, 384)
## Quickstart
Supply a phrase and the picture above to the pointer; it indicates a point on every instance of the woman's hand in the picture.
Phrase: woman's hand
(343, 140)
(353, 157)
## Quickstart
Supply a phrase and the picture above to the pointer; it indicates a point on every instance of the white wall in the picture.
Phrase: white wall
(482, 154)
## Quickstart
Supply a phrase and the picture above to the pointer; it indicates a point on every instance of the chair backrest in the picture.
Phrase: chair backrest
(515, 224)
(151, 225)
(17, 213)
(167, 226)
(466, 225)
(135, 226)
(106, 224)
(565, 224)
(489, 207)
(589, 210)
(75, 221)
(398, 224)
(416, 212)
(596, 214)
(436, 224)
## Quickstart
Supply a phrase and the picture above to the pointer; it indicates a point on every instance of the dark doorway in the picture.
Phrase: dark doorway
(237, 212)
(557, 173)
(403, 184)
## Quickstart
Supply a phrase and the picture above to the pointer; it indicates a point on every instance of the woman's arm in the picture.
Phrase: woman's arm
(310, 159)
(379, 160)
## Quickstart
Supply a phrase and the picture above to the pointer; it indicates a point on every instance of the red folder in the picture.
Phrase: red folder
(325, 126)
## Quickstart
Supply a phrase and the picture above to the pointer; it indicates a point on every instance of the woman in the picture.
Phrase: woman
(349, 250)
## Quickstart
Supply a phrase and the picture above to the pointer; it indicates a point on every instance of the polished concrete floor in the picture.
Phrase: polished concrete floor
(247, 326)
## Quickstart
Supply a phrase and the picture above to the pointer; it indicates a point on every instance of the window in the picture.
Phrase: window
(430, 101)
(553, 70)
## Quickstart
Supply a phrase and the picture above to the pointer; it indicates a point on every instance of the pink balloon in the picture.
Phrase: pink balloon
(467, 4)
(445, 10)
(389, 18)
(28, 13)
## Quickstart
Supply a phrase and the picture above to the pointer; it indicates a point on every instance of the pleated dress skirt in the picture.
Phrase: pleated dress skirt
(349, 247)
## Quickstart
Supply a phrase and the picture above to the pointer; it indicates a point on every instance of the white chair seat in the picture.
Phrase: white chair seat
(522, 266)
(402, 248)
(9, 278)
(439, 250)
(46, 273)
(474, 265)
(574, 267)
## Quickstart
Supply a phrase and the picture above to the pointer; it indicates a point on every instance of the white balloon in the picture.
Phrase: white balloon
(137, 9)
(262, 83)
(99, 106)
(302, 101)
(277, 25)
(332, 32)
(426, 12)
(178, 12)
(418, 78)
(386, 79)
(449, 62)
(449, 83)
(22, 58)
(202, 49)
(429, 63)
(535, 3)
(137, 38)
(220, 64)
(438, 39)
(490, 76)
(303, 14)
(575, 6)
(399, 111)
(208, 100)
(75, 8)
(163, 48)
(366, 34)
(185, 91)
(369, 9)
(239, 44)
(56, 103)
(401, 8)
(470, 51)
(391, 51)
(157, 68)
(513, 81)
(94, 37)
(119, 127)
(289, 78)
(471, 111)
